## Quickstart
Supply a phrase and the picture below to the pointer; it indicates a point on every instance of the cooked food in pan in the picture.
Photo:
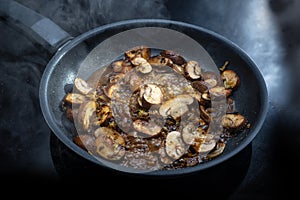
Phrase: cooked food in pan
(155, 111)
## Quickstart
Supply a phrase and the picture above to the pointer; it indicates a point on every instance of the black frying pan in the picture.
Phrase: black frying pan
(251, 97)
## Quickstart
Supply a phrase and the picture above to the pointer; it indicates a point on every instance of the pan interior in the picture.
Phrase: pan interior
(67, 64)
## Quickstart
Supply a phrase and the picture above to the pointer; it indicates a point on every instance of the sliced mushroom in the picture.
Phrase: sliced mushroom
(189, 133)
(204, 114)
(74, 98)
(234, 121)
(175, 146)
(109, 144)
(85, 113)
(174, 56)
(200, 86)
(176, 106)
(108, 89)
(82, 86)
(220, 147)
(230, 78)
(147, 128)
(151, 93)
(160, 61)
(115, 77)
(103, 114)
(204, 142)
(135, 81)
(139, 51)
(85, 141)
(142, 65)
(217, 92)
(206, 146)
(193, 69)
(121, 66)
(178, 68)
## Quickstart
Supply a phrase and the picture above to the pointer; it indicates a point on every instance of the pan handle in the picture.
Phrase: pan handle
(43, 26)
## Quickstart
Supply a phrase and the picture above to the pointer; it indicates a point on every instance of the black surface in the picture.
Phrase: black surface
(267, 30)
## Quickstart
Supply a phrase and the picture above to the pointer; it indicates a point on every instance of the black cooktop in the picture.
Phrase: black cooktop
(267, 30)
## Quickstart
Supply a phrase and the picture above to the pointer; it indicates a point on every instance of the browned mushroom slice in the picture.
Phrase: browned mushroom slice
(151, 93)
(109, 144)
(142, 65)
(85, 113)
(115, 77)
(82, 86)
(85, 141)
(204, 143)
(139, 51)
(175, 146)
(220, 147)
(147, 128)
(193, 69)
(233, 121)
(108, 89)
(74, 98)
(134, 81)
(218, 92)
(174, 56)
(204, 114)
(103, 114)
(160, 61)
(176, 106)
(230, 78)
(189, 133)
(200, 86)
(178, 68)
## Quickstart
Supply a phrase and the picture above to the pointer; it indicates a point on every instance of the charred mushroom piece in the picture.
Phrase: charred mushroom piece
(200, 86)
(85, 113)
(174, 56)
(109, 144)
(85, 141)
(139, 51)
(142, 65)
(230, 78)
(176, 106)
(234, 121)
(74, 98)
(193, 70)
(147, 128)
(82, 86)
(175, 146)
(151, 93)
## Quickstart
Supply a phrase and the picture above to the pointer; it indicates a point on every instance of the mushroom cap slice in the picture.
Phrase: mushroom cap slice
(147, 128)
(139, 51)
(86, 111)
(174, 56)
(233, 121)
(230, 78)
(74, 98)
(109, 144)
(189, 133)
(176, 106)
(175, 146)
(193, 69)
(151, 93)
(82, 86)
(85, 141)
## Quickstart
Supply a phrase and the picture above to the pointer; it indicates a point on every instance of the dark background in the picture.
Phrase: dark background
(268, 30)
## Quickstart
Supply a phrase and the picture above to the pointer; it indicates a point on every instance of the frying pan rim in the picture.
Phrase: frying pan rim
(43, 90)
